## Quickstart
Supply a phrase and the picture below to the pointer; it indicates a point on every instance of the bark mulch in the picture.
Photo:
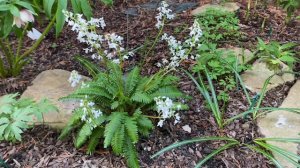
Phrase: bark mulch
(40, 147)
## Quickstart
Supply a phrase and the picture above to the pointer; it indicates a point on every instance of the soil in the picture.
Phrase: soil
(40, 147)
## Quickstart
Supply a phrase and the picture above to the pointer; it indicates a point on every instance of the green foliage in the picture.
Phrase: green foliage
(258, 145)
(290, 6)
(123, 100)
(219, 64)
(16, 114)
(274, 53)
(218, 25)
(107, 2)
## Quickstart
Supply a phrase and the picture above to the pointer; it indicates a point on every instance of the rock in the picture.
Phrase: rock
(131, 12)
(53, 84)
(228, 6)
(283, 124)
(254, 79)
(244, 55)
(187, 128)
(181, 7)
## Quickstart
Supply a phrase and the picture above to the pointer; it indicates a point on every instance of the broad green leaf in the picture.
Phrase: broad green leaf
(76, 6)
(7, 25)
(48, 4)
(4, 7)
(86, 8)
(60, 18)
(26, 5)
(14, 10)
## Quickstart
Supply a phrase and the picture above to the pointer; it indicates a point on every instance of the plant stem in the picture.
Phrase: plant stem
(156, 39)
(37, 43)
(2, 70)
(7, 53)
(20, 43)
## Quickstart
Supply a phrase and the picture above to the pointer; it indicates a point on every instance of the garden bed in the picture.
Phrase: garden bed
(40, 147)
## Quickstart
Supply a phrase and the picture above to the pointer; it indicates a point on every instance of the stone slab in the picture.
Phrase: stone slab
(284, 124)
(254, 79)
(53, 85)
(228, 6)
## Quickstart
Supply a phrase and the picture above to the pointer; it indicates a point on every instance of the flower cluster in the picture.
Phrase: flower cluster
(181, 50)
(87, 33)
(164, 12)
(74, 78)
(166, 108)
(90, 113)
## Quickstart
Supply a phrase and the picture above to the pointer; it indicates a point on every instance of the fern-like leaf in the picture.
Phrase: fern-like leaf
(141, 98)
(130, 154)
(131, 81)
(73, 121)
(111, 128)
(118, 140)
(83, 135)
(95, 139)
(131, 129)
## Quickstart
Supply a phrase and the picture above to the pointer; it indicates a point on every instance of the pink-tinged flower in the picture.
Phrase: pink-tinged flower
(25, 17)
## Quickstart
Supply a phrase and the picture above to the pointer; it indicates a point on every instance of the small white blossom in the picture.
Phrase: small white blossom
(74, 78)
(90, 112)
(165, 108)
(164, 12)
(34, 34)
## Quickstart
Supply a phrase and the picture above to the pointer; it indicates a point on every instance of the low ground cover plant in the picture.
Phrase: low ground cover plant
(16, 115)
(218, 25)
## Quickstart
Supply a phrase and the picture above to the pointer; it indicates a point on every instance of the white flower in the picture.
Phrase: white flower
(34, 34)
(165, 108)
(25, 17)
(164, 12)
(74, 78)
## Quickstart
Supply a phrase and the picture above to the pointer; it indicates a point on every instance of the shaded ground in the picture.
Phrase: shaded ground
(40, 147)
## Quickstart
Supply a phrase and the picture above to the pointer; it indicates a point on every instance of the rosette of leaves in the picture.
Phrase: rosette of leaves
(124, 101)
(218, 25)
(16, 114)
(273, 54)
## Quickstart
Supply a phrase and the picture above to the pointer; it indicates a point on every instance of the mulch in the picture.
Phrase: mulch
(40, 147)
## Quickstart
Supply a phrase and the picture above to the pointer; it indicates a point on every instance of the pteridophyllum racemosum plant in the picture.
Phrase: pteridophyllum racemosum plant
(258, 145)
(118, 106)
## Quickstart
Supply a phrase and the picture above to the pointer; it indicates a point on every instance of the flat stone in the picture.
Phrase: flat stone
(254, 79)
(53, 85)
(283, 124)
(181, 7)
(131, 12)
(244, 55)
(228, 6)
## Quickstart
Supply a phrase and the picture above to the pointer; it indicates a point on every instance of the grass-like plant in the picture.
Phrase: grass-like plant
(115, 107)
(258, 145)
(15, 115)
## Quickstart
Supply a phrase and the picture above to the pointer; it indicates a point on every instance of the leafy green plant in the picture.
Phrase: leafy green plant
(258, 145)
(218, 25)
(219, 64)
(16, 114)
(108, 2)
(15, 19)
(121, 101)
(290, 6)
(273, 54)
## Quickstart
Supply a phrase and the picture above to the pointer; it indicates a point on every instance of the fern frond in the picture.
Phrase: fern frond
(169, 80)
(93, 91)
(167, 91)
(141, 98)
(92, 68)
(83, 135)
(95, 139)
(131, 129)
(118, 140)
(130, 153)
(131, 81)
(115, 123)
(73, 122)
